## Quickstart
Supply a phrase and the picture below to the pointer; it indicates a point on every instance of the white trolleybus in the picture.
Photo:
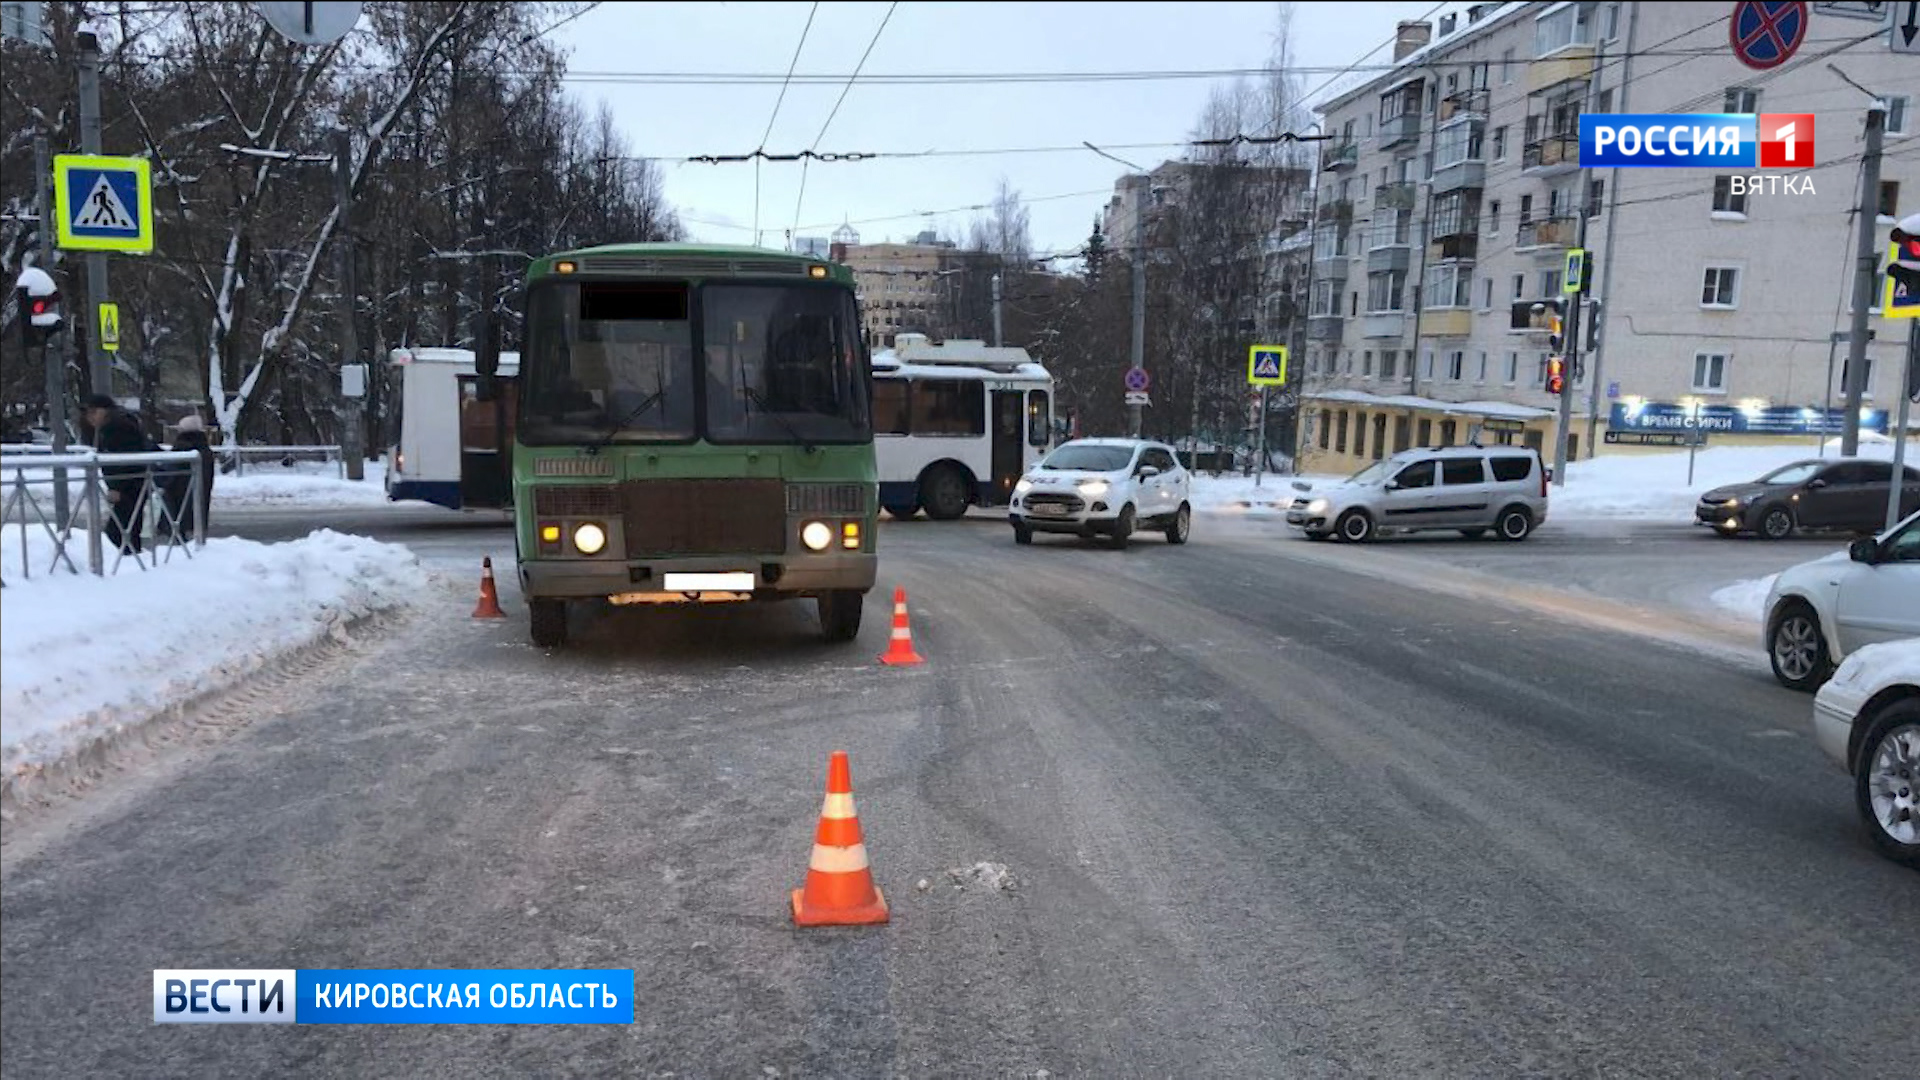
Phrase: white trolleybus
(445, 444)
(956, 424)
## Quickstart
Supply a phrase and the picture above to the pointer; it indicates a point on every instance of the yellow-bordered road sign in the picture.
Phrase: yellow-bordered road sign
(1267, 365)
(103, 203)
(110, 327)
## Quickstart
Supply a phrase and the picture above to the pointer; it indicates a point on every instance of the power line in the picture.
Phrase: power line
(844, 91)
(777, 102)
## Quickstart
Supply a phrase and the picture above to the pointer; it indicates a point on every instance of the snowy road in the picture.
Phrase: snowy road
(1269, 808)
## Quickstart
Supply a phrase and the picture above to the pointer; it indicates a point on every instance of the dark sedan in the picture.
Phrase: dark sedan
(1846, 495)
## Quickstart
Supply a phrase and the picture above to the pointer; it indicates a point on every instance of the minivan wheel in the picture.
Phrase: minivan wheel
(1355, 527)
(1797, 648)
(1515, 523)
(1887, 780)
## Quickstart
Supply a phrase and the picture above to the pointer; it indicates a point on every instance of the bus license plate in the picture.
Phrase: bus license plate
(684, 583)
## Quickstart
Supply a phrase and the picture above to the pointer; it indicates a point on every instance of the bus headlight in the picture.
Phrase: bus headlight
(589, 538)
(816, 535)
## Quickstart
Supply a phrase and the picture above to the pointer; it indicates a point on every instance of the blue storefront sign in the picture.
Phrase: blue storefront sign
(1736, 420)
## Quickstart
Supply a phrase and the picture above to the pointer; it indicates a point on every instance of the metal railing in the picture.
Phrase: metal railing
(238, 458)
(113, 500)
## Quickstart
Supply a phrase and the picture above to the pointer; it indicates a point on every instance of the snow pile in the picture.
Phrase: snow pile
(1747, 599)
(84, 657)
(1655, 485)
(1239, 495)
(316, 484)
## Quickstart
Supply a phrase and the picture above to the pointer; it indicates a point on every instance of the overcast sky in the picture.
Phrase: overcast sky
(718, 201)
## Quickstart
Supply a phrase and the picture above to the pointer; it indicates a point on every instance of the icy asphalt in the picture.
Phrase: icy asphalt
(1264, 808)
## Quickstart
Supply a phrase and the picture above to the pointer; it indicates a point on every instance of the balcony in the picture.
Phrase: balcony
(1324, 328)
(1402, 128)
(1395, 196)
(1447, 322)
(1572, 63)
(1463, 103)
(1551, 156)
(1340, 158)
(1465, 245)
(1460, 176)
(1336, 210)
(1332, 259)
(1384, 324)
(1552, 232)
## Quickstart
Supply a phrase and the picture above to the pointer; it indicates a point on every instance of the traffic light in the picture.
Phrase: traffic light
(1556, 375)
(1903, 270)
(1556, 333)
(39, 304)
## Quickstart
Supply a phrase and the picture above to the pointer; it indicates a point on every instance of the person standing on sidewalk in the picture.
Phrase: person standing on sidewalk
(192, 435)
(116, 432)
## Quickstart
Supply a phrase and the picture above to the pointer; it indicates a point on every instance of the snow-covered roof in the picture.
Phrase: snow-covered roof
(1398, 74)
(889, 364)
(1493, 409)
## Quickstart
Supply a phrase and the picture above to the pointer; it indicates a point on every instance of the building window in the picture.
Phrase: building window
(1721, 288)
(1610, 26)
(1390, 364)
(1513, 368)
(1526, 210)
(1519, 286)
(1385, 291)
(1359, 433)
(1459, 143)
(1726, 200)
(1550, 283)
(1741, 99)
(1353, 303)
(1340, 440)
(1710, 373)
(1493, 217)
(1596, 195)
(1326, 428)
(1449, 285)
(1897, 115)
(1500, 143)
(1426, 365)
(1456, 365)
(1454, 214)
(1481, 371)
(1366, 364)
(1506, 67)
(1326, 299)
(1569, 25)
(1346, 362)
(1486, 294)
(1606, 101)
(1890, 198)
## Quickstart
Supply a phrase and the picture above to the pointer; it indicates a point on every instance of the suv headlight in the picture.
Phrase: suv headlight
(1317, 506)
(1093, 488)
(1023, 486)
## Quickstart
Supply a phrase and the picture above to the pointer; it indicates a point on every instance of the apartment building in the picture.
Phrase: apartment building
(1453, 189)
(899, 284)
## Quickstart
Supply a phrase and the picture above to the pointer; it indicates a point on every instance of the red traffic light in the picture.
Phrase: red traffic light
(1556, 376)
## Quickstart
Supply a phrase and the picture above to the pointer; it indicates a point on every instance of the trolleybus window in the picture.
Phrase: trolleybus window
(942, 407)
(890, 407)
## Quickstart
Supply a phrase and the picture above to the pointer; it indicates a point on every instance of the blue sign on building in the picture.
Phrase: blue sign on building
(1735, 420)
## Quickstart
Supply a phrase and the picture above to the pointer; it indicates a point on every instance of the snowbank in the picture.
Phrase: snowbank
(313, 484)
(1747, 599)
(83, 657)
(1655, 485)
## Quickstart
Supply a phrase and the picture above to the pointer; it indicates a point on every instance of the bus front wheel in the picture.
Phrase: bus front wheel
(840, 614)
(549, 622)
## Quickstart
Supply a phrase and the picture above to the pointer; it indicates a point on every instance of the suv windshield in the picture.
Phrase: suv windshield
(617, 361)
(1089, 458)
(1792, 474)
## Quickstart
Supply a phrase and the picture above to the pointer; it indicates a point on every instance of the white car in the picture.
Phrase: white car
(1819, 612)
(1867, 718)
(1104, 487)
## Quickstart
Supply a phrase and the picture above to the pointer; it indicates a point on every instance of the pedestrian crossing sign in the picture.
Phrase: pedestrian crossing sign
(103, 203)
(1267, 365)
(110, 327)
(1901, 298)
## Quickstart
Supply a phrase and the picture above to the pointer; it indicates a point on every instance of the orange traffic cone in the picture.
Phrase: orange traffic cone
(840, 889)
(900, 649)
(489, 607)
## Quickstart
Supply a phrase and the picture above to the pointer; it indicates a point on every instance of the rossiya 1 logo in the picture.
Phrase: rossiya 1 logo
(1705, 141)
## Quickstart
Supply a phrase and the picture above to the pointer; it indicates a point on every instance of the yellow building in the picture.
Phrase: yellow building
(1343, 431)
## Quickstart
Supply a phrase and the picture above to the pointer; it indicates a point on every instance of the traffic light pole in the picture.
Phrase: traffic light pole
(1570, 339)
(1867, 262)
(1139, 295)
(54, 356)
(1896, 482)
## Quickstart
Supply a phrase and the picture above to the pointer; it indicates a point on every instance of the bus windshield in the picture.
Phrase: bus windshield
(620, 361)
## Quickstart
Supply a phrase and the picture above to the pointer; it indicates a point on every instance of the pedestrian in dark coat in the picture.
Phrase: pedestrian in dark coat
(115, 431)
(192, 518)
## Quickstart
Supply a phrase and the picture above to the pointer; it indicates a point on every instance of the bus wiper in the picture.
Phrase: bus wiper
(621, 424)
(761, 404)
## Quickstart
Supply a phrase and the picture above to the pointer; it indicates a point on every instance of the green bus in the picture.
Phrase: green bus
(692, 424)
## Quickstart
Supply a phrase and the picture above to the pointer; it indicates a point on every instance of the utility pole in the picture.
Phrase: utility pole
(1868, 263)
(996, 310)
(99, 364)
(1570, 329)
(352, 453)
(1139, 293)
(54, 356)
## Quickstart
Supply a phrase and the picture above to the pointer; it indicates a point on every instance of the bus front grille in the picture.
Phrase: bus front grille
(691, 268)
(827, 498)
(575, 501)
(704, 517)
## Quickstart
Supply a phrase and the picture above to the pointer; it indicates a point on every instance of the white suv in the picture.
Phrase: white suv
(1819, 612)
(1111, 487)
